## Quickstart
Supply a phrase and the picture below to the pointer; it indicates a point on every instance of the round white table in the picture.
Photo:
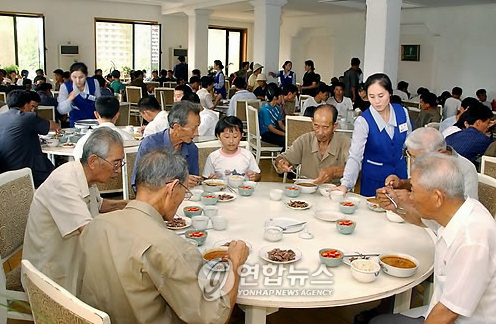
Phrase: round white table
(374, 233)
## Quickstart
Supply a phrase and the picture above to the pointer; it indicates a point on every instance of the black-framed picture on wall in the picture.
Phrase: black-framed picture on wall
(410, 53)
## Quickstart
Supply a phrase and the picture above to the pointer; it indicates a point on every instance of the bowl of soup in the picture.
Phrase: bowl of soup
(213, 185)
(307, 186)
(200, 236)
(398, 264)
(216, 259)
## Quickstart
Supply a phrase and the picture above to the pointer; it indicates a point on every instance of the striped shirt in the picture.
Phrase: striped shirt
(267, 116)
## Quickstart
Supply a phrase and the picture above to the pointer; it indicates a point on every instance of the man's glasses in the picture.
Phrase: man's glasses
(187, 194)
(115, 165)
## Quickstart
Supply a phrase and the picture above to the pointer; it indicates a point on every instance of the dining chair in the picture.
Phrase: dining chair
(303, 98)
(488, 166)
(127, 172)
(256, 145)
(46, 112)
(295, 127)
(487, 192)
(167, 98)
(204, 151)
(290, 107)
(51, 303)
(16, 194)
(158, 95)
(3, 97)
(124, 114)
(133, 96)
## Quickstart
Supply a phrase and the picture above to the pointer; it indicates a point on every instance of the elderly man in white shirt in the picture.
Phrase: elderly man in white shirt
(241, 93)
(465, 250)
(157, 119)
(107, 113)
(66, 202)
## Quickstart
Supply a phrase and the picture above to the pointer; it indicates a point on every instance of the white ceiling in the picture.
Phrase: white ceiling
(242, 10)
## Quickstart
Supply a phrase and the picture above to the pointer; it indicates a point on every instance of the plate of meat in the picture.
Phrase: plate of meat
(225, 196)
(178, 223)
(280, 254)
(298, 204)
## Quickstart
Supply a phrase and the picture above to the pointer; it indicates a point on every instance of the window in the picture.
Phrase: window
(23, 41)
(127, 46)
(227, 45)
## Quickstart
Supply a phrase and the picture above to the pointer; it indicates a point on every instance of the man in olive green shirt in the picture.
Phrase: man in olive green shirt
(322, 153)
(137, 270)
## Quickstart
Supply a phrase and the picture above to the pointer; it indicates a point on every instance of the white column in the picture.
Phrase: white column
(198, 20)
(382, 38)
(267, 34)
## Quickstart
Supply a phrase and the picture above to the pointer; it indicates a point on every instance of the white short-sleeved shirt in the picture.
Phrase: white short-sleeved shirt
(158, 124)
(78, 149)
(451, 107)
(61, 205)
(205, 98)
(403, 95)
(208, 121)
(310, 102)
(465, 265)
(343, 107)
(224, 165)
(450, 130)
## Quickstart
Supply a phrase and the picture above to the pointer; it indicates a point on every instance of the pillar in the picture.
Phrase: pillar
(198, 20)
(267, 34)
(382, 38)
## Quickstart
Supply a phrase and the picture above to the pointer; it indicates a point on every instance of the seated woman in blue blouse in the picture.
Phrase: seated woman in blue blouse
(272, 129)
(378, 140)
(286, 76)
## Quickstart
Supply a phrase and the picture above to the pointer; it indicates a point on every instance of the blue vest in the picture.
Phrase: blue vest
(383, 156)
(82, 108)
(222, 90)
(286, 79)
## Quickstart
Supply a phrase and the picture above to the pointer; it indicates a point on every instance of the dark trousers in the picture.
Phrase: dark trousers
(275, 139)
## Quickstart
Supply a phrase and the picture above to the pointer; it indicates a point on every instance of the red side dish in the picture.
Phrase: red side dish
(208, 196)
(347, 204)
(346, 223)
(193, 209)
(333, 254)
(245, 187)
(292, 188)
(196, 234)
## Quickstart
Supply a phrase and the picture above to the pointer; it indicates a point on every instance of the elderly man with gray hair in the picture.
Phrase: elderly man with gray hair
(465, 250)
(139, 271)
(66, 202)
(184, 119)
(422, 141)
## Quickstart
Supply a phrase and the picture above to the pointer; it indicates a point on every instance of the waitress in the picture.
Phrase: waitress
(219, 84)
(78, 95)
(378, 140)
(310, 80)
(286, 76)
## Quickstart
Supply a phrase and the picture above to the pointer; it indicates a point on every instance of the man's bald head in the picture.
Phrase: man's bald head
(329, 112)
(324, 122)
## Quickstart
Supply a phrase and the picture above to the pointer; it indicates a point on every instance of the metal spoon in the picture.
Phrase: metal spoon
(400, 210)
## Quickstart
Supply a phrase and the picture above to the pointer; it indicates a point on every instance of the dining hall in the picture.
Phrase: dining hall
(248, 162)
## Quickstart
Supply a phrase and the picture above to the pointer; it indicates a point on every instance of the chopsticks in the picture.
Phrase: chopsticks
(360, 255)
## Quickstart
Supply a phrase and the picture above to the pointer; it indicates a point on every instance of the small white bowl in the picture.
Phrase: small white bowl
(325, 188)
(219, 223)
(276, 194)
(236, 180)
(304, 189)
(273, 233)
(337, 195)
(210, 211)
(365, 276)
(200, 222)
(196, 194)
(398, 272)
(53, 142)
(393, 217)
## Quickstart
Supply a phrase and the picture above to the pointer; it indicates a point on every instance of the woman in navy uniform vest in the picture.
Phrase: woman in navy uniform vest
(286, 76)
(219, 84)
(78, 95)
(378, 140)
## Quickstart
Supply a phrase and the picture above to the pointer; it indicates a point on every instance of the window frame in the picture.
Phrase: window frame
(242, 47)
(16, 43)
(133, 23)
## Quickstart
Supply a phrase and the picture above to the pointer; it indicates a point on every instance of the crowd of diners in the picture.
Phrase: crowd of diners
(118, 255)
